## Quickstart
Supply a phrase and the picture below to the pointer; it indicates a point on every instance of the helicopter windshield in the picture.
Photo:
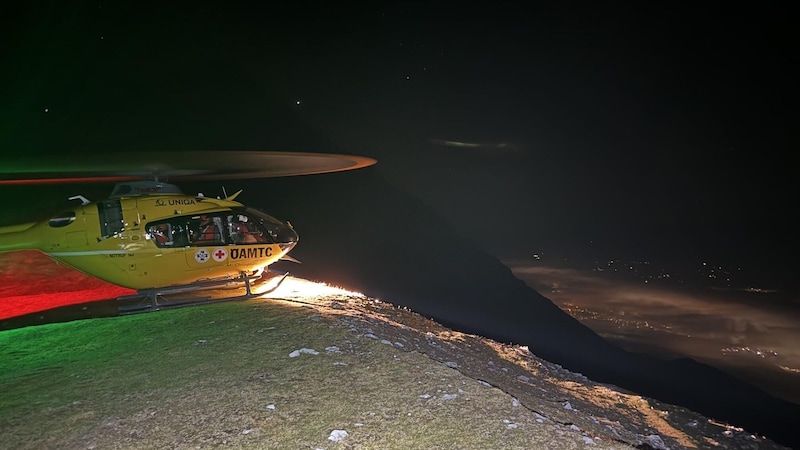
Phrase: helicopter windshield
(278, 232)
(238, 226)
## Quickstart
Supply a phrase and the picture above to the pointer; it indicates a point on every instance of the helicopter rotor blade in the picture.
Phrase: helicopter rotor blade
(62, 180)
(182, 165)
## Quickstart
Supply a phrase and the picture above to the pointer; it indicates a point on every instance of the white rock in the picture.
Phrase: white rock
(297, 353)
(337, 435)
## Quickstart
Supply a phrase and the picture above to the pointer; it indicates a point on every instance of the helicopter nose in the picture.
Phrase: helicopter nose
(282, 233)
(288, 239)
(286, 248)
(287, 235)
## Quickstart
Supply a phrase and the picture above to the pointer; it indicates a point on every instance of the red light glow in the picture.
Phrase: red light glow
(32, 282)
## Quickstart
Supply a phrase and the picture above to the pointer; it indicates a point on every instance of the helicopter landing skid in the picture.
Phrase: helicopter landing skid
(158, 299)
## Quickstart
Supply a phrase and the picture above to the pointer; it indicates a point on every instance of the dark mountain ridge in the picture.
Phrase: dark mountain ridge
(365, 234)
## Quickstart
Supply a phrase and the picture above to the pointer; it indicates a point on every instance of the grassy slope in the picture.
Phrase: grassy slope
(207, 375)
(221, 374)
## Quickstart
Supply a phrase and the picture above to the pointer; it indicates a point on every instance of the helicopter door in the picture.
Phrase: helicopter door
(207, 246)
(110, 213)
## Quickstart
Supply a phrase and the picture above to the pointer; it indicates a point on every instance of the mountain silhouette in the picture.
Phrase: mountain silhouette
(365, 234)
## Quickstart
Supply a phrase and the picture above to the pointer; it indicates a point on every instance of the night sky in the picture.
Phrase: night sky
(565, 140)
(640, 131)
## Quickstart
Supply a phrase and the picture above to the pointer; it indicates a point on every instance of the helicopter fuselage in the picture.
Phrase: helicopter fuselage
(145, 241)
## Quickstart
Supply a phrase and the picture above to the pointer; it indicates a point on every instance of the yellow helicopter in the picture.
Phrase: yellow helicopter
(150, 236)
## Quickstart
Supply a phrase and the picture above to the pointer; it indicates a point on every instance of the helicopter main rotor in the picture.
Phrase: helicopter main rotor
(181, 165)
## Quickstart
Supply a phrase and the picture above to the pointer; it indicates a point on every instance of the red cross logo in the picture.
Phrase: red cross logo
(219, 254)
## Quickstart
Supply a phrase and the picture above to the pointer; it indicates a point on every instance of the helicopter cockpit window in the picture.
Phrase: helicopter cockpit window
(167, 234)
(206, 230)
(244, 231)
(161, 234)
(62, 219)
(240, 226)
(274, 230)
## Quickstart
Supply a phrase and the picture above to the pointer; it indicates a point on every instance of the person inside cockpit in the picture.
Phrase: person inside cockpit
(240, 231)
(161, 233)
(209, 231)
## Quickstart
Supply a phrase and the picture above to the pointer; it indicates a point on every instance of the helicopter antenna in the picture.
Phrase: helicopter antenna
(84, 200)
